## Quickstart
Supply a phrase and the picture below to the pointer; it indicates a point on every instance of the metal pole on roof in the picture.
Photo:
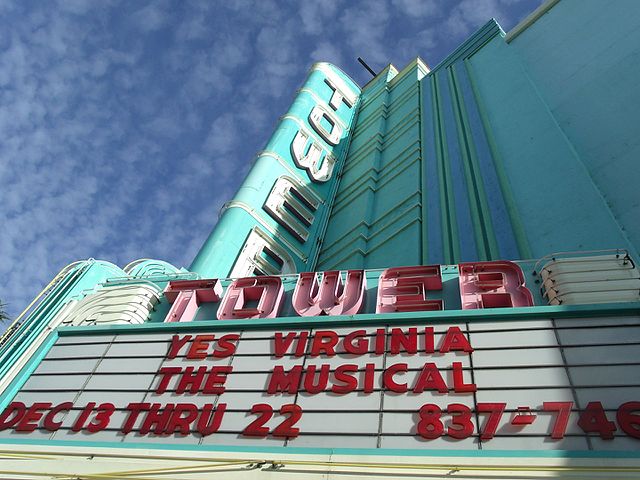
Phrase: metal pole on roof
(369, 69)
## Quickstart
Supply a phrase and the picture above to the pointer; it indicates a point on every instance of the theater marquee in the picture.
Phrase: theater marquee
(559, 384)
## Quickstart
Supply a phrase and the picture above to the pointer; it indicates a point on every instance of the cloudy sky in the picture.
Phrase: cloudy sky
(124, 125)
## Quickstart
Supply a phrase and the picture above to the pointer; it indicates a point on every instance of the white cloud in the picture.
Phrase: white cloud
(223, 135)
(317, 17)
(327, 52)
(151, 17)
(469, 15)
(365, 32)
(417, 8)
(422, 43)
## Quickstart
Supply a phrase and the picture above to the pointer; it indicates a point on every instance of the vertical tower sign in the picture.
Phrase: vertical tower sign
(283, 205)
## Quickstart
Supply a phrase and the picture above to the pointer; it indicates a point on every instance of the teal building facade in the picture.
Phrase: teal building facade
(514, 147)
(475, 308)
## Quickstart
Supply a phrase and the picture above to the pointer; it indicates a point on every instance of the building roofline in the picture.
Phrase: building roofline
(471, 45)
(530, 19)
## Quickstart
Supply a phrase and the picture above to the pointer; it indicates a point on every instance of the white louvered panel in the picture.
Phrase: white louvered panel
(128, 304)
(590, 280)
(585, 265)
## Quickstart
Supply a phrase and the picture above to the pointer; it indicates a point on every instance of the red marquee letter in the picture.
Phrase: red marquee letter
(281, 381)
(254, 297)
(493, 285)
(388, 381)
(17, 409)
(187, 295)
(49, 421)
(404, 289)
(330, 297)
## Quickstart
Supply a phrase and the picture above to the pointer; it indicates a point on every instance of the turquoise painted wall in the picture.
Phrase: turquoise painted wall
(377, 211)
(584, 60)
(420, 183)
(505, 150)
(468, 202)
(555, 197)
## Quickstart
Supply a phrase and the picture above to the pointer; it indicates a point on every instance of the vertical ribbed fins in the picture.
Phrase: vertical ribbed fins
(451, 248)
(378, 210)
(476, 219)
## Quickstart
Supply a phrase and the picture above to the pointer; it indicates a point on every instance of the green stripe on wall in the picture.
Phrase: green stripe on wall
(516, 222)
(487, 244)
(449, 227)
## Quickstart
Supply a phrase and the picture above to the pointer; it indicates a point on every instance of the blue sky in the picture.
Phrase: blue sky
(125, 125)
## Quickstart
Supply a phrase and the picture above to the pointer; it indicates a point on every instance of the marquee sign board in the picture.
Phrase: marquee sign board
(567, 384)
